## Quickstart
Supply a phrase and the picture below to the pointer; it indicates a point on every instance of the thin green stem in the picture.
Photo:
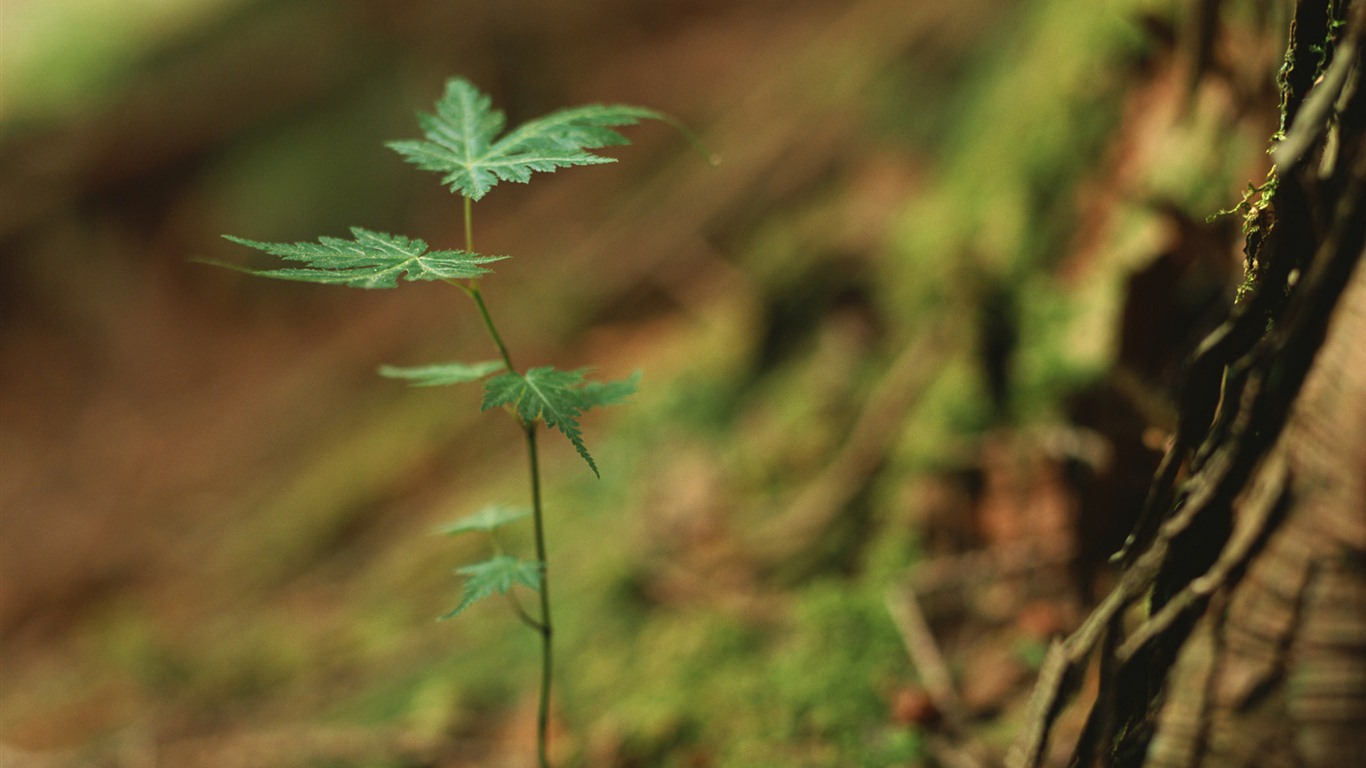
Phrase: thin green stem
(546, 628)
(469, 225)
(472, 288)
(543, 626)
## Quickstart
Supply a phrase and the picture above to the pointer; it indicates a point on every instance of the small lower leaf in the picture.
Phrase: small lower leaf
(600, 393)
(486, 519)
(442, 374)
(495, 575)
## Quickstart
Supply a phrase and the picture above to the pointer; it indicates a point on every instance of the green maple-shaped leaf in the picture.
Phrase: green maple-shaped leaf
(369, 260)
(495, 575)
(442, 374)
(486, 519)
(556, 398)
(463, 143)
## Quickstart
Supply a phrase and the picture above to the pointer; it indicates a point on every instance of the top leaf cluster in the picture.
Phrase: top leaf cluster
(463, 143)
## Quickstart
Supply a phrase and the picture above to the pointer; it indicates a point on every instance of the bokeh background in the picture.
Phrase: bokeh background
(907, 357)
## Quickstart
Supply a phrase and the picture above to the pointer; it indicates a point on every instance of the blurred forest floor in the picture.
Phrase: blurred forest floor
(908, 353)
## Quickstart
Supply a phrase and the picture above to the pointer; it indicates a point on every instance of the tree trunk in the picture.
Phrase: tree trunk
(1236, 635)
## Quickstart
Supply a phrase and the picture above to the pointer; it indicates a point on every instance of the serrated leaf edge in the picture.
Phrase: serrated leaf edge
(515, 571)
(414, 264)
(592, 394)
(474, 158)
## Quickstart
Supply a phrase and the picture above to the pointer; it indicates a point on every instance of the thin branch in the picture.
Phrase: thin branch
(959, 749)
(904, 606)
(522, 614)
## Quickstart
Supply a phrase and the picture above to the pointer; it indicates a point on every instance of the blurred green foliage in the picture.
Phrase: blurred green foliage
(746, 674)
(63, 56)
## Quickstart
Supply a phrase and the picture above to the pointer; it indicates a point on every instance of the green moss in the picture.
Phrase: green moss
(832, 672)
(1034, 121)
(809, 689)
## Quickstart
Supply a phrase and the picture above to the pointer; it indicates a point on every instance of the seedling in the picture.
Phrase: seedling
(462, 143)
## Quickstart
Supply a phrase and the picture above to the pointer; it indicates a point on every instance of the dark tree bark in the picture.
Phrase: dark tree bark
(1236, 635)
